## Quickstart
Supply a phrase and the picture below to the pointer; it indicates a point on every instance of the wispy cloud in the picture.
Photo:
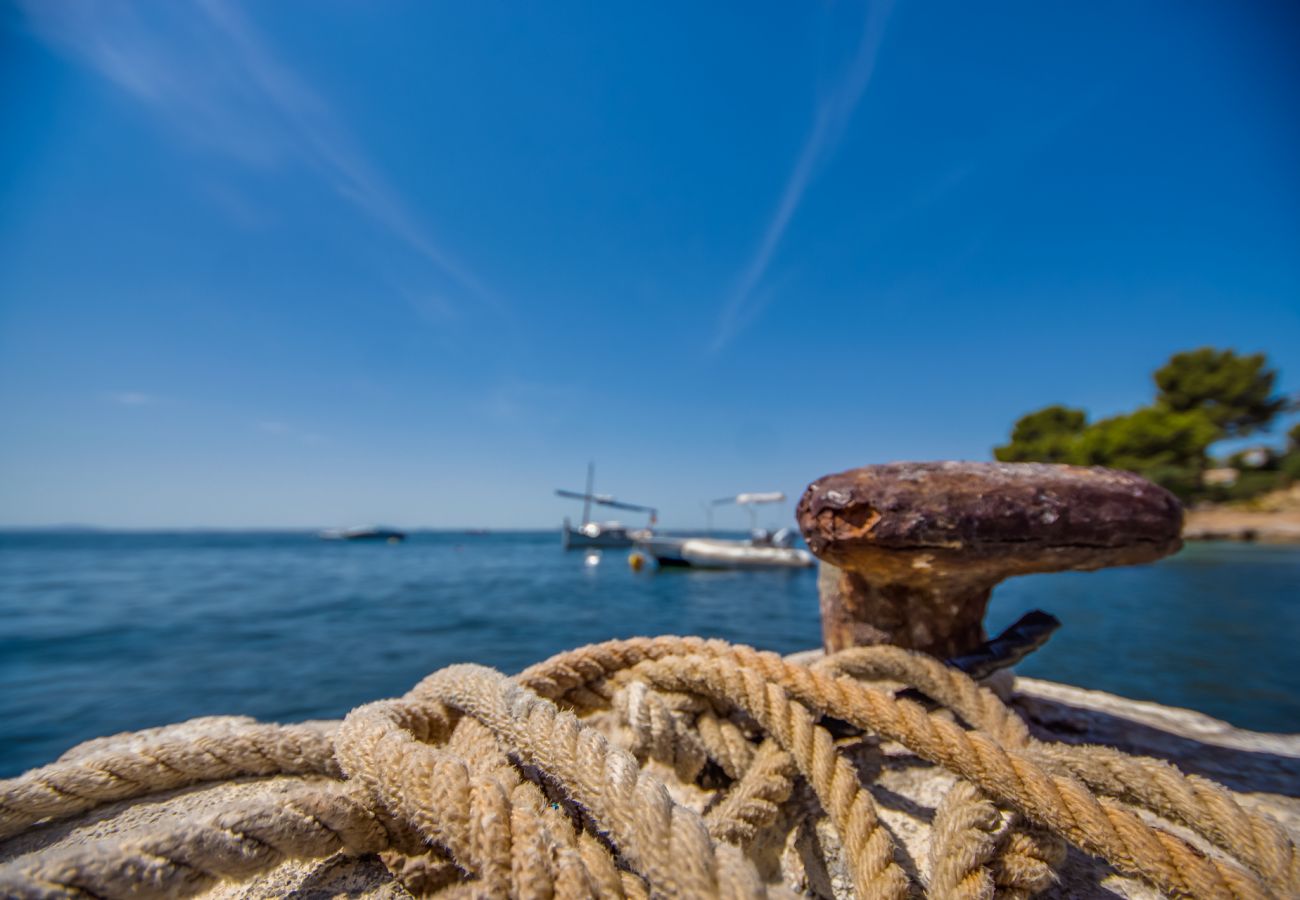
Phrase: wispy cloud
(208, 73)
(833, 114)
(516, 400)
(279, 429)
(132, 398)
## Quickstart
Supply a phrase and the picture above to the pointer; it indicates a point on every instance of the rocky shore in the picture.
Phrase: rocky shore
(1273, 519)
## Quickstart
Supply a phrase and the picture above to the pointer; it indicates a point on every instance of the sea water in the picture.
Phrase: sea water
(105, 632)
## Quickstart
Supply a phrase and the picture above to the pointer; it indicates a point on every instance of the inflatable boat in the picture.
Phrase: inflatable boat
(716, 553)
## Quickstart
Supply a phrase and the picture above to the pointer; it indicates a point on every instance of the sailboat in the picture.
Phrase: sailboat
(601, 534)
(763, 550)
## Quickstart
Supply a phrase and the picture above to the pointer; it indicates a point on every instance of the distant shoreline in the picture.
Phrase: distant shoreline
(1271, 519)
(1233, 523)
(1214, 523)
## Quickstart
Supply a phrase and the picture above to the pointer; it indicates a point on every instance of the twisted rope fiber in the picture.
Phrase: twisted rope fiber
(666, 842)
(237, 843)
(83, 781)
(754, 802)
(964, 843)
(765, 777)
(967, 858)
(1020, 859)
(977, 852)
(867, 844)
(725, 743)
(1027, 861)
(1100, 827)
(467, 798)
(663, 733)
(811, 748)
(475, 778)
(583, 677)
(1197, 803)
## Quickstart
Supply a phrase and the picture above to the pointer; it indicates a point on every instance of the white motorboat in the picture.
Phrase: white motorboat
(719, 553)
(591, 534)
(763, 550)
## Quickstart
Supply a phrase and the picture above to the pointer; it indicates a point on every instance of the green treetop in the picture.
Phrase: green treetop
(1234, 392)
(1204, 396)
(1048, 435)
(1165, 446)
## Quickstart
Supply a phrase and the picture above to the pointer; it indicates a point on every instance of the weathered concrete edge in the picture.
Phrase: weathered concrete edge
(1187, 723)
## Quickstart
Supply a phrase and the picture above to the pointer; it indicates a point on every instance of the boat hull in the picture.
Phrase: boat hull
(601, 536)
(386, 535)
(574, 539)
(711, 553)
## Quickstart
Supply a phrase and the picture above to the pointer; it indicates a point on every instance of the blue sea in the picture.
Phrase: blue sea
(105, 632)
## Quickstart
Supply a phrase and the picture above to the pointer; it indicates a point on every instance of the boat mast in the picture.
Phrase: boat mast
(586, 503)
(590, 499)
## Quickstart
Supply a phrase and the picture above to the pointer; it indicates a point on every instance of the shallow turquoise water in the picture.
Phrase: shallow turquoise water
(106, 632)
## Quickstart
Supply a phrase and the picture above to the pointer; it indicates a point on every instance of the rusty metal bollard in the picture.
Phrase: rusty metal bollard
(911, 551)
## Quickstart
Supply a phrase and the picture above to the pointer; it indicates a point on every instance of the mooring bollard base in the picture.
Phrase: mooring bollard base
(944, 619)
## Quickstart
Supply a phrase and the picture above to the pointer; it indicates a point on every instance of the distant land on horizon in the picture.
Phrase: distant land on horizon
(309, 529)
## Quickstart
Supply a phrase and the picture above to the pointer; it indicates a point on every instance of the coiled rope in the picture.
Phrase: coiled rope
(542, 786)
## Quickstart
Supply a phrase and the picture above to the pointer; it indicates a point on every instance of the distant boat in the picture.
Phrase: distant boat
(598, 535)
(763, 550)
(717, 553)
(363, 533)
(601, 534)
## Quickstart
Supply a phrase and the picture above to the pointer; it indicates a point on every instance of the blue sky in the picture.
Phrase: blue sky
(314, 263)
